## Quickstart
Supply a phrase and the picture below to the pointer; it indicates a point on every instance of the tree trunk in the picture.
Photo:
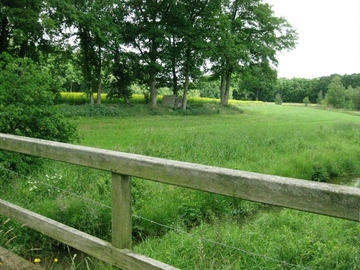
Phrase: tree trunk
(187, 80)
(91, 95)
(91, 98)
(152, 74)
(173, 69)
(4, 34)
(222, 87)
(98, 101)
(227, 89)
(153, 90)
(186, 87)
(174, 80)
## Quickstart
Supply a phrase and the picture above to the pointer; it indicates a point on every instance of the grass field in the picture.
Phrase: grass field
(293, 141)
(281, 140)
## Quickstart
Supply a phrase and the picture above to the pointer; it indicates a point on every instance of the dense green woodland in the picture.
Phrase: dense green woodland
(219, 48)
(110, 45)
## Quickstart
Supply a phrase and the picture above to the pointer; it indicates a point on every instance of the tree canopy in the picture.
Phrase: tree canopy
(172, 42)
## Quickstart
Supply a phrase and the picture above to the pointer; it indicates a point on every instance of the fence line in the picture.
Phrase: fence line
(309, 196)
(321, 198)
(177, 230)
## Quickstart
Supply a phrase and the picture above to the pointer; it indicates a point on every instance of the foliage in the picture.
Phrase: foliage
(123, 74)
(296, 89)
(276, 239)
(48, 194)
(22, 33)
(27, 99)
(335, 96)
(278, 99)
(353, 98)
(240, 40)
(306, 101)
(208, 87)
(320, 97)
(259, 80)
(110, 45)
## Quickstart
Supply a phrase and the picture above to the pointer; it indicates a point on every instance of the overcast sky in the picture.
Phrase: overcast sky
(329, 37)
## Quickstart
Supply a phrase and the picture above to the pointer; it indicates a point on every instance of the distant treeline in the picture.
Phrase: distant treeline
(296, 89)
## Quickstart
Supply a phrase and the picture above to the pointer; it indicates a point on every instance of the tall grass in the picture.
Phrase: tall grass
(274, 240)
(285, 141)
(300, 142)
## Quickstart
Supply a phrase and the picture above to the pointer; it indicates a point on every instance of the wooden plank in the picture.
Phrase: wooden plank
(321, 198)
(121, 211)
(11, 261)
(122, 258)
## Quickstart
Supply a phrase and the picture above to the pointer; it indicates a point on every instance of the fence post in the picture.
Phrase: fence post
(121, 211)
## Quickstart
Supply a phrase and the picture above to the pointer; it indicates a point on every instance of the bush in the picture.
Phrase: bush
(278, 99)
(320, 173)
(27, 108)
(306, 101)
(336, 94)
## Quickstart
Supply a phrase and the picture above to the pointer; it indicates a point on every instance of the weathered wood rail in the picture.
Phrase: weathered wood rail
(321, 198)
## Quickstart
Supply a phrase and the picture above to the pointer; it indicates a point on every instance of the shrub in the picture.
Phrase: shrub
(278, 99)
(353, 98)
(27, 96)
(306, 101)
(335, 96)
(320, 173)
(320, 97)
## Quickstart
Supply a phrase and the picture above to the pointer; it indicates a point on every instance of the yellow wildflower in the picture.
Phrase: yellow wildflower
(56, 260)
(37, 260)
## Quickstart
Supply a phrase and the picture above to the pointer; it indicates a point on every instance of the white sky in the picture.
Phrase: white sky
(329, 37)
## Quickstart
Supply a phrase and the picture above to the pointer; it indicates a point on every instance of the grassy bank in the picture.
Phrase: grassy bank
(300, 142)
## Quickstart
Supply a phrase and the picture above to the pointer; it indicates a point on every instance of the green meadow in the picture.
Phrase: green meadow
(195, 230)
(288, 141)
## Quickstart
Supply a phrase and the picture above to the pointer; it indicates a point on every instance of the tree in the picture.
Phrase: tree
(259, 79)
(320, 84)
(145, 31)
(193, 36)
(306, 101)
(61, 67)
(123, 73)
(278, 99)
(352, 80)
(89, 25)
(27, 98)
(353, 98)
(335, 95)
(320, 97)
(208, 87)
(295, 89)
(248, 33)
(22, 28)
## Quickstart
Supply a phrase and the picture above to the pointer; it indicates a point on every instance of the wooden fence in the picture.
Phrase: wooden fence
(321, 198)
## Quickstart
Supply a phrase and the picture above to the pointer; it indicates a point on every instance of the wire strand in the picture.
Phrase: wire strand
(176, 230)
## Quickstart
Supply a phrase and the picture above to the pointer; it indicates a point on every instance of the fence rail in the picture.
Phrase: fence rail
(321, 198)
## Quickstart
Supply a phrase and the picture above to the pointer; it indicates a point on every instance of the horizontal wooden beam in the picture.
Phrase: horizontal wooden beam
(11, 261)
(321, 198)
(122, 258)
